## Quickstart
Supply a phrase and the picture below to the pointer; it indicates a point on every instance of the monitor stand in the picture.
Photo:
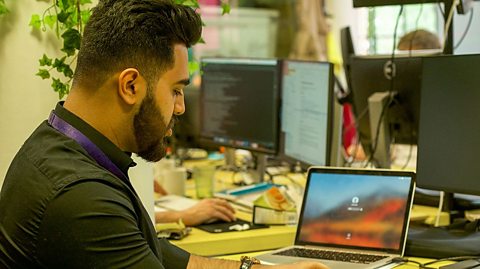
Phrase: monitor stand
(256, 175)
(230, 160)
(377, 106)
(260, 167)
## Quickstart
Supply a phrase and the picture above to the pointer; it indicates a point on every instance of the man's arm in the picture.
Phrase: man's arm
(204, 210)
(197, 262)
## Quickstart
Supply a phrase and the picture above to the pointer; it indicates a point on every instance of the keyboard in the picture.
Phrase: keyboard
(331, 255)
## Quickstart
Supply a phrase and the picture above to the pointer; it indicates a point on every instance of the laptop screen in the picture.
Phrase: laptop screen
(356, 208)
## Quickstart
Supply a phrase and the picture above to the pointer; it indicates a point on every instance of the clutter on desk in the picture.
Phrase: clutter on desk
(274, 206)
(245, 195)
(234, 226)
(173, 230)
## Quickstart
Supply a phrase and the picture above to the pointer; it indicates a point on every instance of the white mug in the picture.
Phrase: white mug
(174, 180)
(160, 167)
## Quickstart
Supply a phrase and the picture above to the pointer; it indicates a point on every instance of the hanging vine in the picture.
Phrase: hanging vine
(67, 18)
(3, 7)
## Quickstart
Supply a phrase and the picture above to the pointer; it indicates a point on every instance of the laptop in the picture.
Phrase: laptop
(351, 218)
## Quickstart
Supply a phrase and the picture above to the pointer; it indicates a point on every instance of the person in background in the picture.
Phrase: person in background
(419, 40)
(67, 201)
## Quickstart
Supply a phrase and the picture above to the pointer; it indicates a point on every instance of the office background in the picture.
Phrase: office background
(25, 99)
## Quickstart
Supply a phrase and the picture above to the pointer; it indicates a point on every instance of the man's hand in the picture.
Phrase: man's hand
(208, 209)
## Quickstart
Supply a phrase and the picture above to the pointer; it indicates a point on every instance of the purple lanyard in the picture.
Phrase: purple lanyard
(65, 128)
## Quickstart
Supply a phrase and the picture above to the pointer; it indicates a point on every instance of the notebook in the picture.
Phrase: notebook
(351, 218)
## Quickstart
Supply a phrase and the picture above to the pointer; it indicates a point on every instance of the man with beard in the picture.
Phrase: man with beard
(67, 201)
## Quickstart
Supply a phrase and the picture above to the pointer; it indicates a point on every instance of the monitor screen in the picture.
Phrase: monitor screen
(370, 74)
(449, 133)
(239, 103)
(306, 119)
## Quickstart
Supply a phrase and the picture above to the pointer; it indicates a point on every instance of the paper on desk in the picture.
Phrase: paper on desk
(175, 202)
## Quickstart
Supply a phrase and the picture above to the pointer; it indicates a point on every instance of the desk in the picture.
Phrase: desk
(209, 244)
(427, 214)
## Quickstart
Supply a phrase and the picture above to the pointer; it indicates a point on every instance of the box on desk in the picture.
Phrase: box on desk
(274, 206)
(263, 215)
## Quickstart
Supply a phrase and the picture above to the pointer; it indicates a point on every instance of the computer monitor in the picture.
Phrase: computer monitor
(239, 103)
(448, 146)
(371, 75)
(306, 115)
(186, 130)
(449, 133)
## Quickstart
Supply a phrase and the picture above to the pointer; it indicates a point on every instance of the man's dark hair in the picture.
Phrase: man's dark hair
(138, 34)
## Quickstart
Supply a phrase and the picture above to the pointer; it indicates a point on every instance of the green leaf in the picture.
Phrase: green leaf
(45, 61)
(35, 22)
(50, 20)
(65, 4)
(63, 16)
(43, 73)
(59, 63)
(193, 67)
(60, 87)
(67, 71)
(3, 8)
(225, 8)
(189, 3)
(71, 41)
(83, 2)
(85, 16)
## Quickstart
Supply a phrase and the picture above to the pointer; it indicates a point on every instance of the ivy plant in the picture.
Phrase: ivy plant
(67, 19)
(3, 7)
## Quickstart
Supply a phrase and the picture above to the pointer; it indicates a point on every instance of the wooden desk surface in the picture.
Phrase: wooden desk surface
(210, 244)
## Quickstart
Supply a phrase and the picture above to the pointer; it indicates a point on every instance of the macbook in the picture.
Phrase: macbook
(351, 218)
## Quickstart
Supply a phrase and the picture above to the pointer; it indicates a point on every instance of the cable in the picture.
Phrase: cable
(382, 114)
(377, 132)
(411, 140)
(456, 258)
(466, 30)
(415, 33)
(441, 10)
(439, 211)
(449, 22)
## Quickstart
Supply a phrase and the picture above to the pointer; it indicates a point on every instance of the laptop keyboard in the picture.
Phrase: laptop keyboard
(331, 255)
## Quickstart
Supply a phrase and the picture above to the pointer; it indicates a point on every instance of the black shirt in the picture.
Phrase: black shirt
(60, 209)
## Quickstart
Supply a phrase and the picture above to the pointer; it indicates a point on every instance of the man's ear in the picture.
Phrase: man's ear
(131, 86)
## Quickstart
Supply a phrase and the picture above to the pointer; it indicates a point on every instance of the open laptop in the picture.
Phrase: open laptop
(351, 218)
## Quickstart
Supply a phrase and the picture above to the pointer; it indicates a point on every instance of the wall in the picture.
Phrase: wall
(25, 100)
(471, 43)
(343, 14)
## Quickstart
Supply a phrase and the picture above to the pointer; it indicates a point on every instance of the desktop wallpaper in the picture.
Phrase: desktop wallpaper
(355, 210)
